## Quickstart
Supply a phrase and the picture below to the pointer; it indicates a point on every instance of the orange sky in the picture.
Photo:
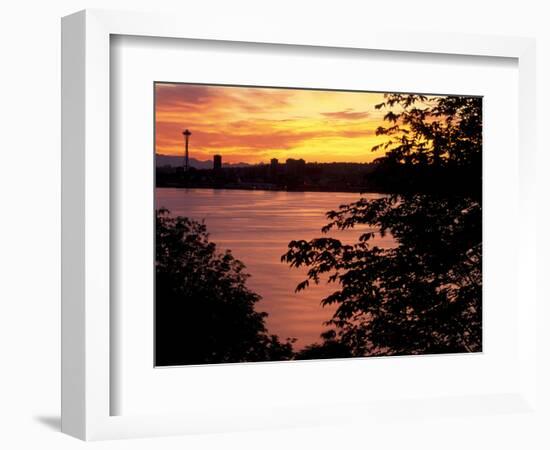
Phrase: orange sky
(253, 125)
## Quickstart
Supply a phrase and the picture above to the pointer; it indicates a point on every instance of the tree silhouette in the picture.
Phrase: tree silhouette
(204, 312)
(423, 295)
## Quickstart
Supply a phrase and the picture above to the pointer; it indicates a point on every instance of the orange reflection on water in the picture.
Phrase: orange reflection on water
(257, 227)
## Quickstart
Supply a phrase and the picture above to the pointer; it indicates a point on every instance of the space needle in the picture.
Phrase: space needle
(186, 133)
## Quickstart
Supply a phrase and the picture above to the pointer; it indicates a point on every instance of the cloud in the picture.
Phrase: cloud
(347, 114)
(251, 136)
(174, 95)
(245, 136)
(216, 100)
(252, 124)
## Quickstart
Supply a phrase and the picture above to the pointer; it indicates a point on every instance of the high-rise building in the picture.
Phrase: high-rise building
(295, 166)
(295, 171)
(274, 170)
(217, 162)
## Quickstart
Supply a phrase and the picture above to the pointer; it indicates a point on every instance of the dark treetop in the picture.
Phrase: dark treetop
(204, 310)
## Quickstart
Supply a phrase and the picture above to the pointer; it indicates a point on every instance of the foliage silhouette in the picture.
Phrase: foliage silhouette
(204, 312)
(329, 348)
(423, 295)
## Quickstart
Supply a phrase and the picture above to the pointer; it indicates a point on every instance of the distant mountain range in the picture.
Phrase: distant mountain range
(178, 161)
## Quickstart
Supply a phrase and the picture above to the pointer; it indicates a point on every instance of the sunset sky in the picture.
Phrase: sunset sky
(253, 125)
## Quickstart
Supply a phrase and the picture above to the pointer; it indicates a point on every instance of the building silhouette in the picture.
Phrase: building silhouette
(295, 171)
(217, 162)
(186, 134)
(274, 169)
(295, 167)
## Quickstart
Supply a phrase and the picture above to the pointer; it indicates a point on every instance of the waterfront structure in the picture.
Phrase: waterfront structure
(217, 162)
(186, 133)
(295, 167)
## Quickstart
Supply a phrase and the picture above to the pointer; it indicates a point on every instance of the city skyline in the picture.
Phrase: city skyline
(180, 161)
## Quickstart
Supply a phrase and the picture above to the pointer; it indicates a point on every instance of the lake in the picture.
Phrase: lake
(257, 227)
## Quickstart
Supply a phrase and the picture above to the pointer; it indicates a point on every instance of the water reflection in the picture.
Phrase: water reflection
(257, 227)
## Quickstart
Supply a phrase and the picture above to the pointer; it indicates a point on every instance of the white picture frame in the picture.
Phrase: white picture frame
(86, 221)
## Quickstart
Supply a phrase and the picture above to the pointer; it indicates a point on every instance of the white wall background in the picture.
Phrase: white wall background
(30, 196)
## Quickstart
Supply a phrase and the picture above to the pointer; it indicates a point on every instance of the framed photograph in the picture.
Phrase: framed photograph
(257, 222)
(348, 186)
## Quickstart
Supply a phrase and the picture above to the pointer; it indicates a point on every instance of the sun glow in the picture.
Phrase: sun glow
(253, 125)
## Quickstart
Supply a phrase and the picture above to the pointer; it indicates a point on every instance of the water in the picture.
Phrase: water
(257, 227)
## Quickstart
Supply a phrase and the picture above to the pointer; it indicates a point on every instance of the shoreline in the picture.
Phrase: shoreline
(247, 188)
